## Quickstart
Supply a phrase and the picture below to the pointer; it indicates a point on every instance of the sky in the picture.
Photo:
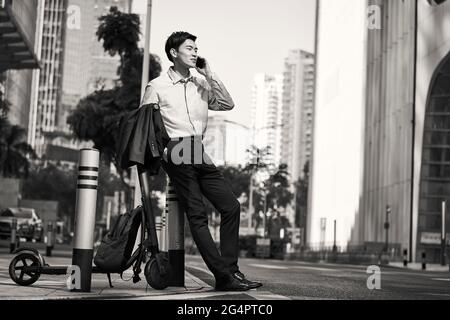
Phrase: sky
(240, 38)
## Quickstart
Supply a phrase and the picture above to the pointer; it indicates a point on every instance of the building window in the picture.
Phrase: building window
(435, 172)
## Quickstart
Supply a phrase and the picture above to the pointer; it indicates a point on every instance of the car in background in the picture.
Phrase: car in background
(29, 225)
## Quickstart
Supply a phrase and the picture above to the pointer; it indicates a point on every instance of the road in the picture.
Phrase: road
(296, 280)
(303, 281)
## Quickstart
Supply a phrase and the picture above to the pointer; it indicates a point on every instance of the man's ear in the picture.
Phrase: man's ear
(174, 53)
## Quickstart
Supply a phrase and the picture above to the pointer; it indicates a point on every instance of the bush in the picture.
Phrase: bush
(277, 248)
(248, 243)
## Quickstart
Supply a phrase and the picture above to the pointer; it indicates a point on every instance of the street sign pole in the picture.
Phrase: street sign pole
(386, 226)
(334, 242)
(443, 258)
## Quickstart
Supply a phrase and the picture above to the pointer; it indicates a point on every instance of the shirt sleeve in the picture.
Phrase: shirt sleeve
(218, 97)
(150, 95)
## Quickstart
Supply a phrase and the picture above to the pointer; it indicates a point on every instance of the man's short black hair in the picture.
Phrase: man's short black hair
(176, 39)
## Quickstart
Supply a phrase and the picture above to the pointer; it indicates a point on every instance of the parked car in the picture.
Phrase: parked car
(29, 225)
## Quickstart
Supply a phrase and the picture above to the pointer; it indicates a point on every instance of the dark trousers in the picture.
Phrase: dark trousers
(191, 182)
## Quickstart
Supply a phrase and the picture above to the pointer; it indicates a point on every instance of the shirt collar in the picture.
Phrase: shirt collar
(175, 77)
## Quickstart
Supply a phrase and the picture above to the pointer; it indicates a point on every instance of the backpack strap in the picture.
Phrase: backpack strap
(142, 247)
(137, 265)
(109, 279)
(137, 269)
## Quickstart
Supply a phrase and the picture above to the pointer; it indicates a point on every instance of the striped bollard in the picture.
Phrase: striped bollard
(49, 245)
(175, 234)
(86, 202)
(166, 233)
(13, 243)
(158, 225)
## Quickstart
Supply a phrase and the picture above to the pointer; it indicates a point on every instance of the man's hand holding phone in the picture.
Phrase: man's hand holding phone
(202, 67)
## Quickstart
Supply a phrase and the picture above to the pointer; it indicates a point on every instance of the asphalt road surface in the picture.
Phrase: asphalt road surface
(304, 281)
(296, 280)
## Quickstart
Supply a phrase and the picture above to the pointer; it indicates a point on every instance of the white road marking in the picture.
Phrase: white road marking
(185, 296)
(200, 269)
(197, 280)
(51, 282)
(317, 269)
(439, 294)
(268, 266)
(441, 279)
(265, 295)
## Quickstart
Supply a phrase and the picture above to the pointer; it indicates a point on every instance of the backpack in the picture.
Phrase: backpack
(116, 247)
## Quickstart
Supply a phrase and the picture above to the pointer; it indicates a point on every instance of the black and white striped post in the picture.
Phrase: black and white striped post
(13, 243)
(158, 225)
(86, 202)
(175, 236)
(164, 233)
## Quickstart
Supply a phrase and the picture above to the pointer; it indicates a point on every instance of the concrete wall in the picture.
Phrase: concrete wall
(387, 127)
(338, 121)
(391, 147)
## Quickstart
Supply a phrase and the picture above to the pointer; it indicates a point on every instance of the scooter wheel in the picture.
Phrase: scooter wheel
(154, 277)
(18, 269)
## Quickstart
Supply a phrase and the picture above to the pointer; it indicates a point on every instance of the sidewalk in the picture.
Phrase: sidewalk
(53, 287)
(418, 266)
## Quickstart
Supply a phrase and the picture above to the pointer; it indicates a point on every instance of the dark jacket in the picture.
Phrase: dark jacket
(142, 138)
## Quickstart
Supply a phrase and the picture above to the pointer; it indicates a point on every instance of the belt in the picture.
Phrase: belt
(192, 138)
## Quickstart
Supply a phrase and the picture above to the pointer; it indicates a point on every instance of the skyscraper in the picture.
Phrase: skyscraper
(17, 56)
(266, 114)
(18, 25)
(297, 111)
(381, 155)
(87, 66)
(75, 65)
(46, 86)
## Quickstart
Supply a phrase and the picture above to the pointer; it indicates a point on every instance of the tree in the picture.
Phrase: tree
(119, 32)
(97, 116)
(238, 179)
(302, 186)
(52, 183)
(278, 189)
(56, 184)
(275, 223)
(14, 151)
(257, 164)
(95, 119)
(273, 193)
(258, 160)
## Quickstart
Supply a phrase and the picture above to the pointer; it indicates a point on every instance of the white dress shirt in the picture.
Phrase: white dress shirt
(184, 103)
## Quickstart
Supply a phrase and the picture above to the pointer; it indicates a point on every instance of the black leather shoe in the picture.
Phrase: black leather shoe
(251, 284)
(231, 284)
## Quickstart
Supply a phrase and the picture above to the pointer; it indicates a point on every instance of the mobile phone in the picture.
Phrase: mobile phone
(200, 63)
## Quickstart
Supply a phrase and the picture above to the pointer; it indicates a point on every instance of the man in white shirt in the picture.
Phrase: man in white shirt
(184, 101)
